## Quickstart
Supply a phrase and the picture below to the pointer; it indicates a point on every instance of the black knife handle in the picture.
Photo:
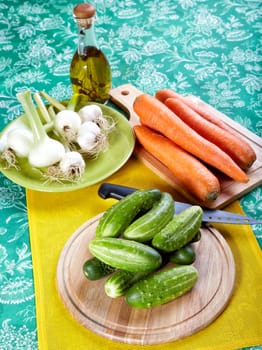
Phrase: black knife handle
(107, 190)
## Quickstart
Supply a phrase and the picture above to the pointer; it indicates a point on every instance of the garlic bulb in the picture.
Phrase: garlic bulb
(90, 113)
(67, 124)
(72, 164)
(87, 141)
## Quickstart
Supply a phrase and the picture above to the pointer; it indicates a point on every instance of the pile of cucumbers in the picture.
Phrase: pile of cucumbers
(137, 240)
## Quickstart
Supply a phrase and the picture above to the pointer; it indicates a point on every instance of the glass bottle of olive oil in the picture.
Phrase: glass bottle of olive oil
(90, 72)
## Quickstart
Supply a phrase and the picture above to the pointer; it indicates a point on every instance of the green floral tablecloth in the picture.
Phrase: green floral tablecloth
(211, 49)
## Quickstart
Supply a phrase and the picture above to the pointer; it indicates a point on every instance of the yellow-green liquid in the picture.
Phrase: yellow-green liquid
(90, 75)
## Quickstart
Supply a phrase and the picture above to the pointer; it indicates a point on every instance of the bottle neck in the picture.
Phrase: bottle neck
(86, 37)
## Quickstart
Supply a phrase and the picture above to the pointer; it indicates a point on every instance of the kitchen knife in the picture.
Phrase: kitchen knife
(108, 190)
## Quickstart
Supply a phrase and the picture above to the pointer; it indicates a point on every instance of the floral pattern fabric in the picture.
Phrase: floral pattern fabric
(210, 49)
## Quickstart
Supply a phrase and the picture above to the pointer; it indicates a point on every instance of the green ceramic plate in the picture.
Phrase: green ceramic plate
(121, 145)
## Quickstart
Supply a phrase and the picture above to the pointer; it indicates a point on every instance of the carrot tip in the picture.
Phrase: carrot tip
(212, 196)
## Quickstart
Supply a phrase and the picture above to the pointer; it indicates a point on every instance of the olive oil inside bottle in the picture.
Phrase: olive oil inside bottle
(90, 74)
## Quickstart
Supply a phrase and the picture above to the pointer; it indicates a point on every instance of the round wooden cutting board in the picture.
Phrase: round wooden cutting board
(115, 320)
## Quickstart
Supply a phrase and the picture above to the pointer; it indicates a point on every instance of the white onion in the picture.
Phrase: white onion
(46, 153)
(2, 143)
(20, 140)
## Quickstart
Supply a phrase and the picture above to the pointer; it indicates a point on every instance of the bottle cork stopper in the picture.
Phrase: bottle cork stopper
(84, 11)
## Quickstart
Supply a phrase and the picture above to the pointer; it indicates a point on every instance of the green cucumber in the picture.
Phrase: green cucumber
(161, 287)
(183, 256)
(197, 237)
(126, 255)
(119, 216)
(144, 228)
(180, 230)
(120, 281)
(95, 269)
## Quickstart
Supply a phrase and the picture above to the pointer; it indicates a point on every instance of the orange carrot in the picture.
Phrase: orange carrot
(213, 116)
(208, 112)
(199, 106)
(163, 94)
(228, 142)
(157, 116)
(191, 173)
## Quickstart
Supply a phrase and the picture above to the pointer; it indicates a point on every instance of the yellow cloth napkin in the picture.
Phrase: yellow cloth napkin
(53, 218)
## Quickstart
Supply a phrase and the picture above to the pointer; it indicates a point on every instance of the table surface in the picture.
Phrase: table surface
(192, 46)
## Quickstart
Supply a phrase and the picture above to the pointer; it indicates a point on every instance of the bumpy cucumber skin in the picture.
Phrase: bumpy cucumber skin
(144, 228)
(120, 281)
(180, 230)
(95, 269)
(161, 287)
(125, 255)
(119, 216)
(183, 256)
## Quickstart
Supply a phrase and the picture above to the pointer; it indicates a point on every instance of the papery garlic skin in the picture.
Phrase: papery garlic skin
(67, 123)
(88, 136)
(89, 127)
(72, 164)
(90, 113)
(87, 141)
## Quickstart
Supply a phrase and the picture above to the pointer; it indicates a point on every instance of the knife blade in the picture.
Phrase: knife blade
(109, 190)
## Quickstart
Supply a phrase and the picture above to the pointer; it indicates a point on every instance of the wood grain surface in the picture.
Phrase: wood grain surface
(125, 95)
(115, 320)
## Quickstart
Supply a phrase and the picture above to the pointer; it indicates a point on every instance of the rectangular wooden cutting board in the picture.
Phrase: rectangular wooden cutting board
(124, 97)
